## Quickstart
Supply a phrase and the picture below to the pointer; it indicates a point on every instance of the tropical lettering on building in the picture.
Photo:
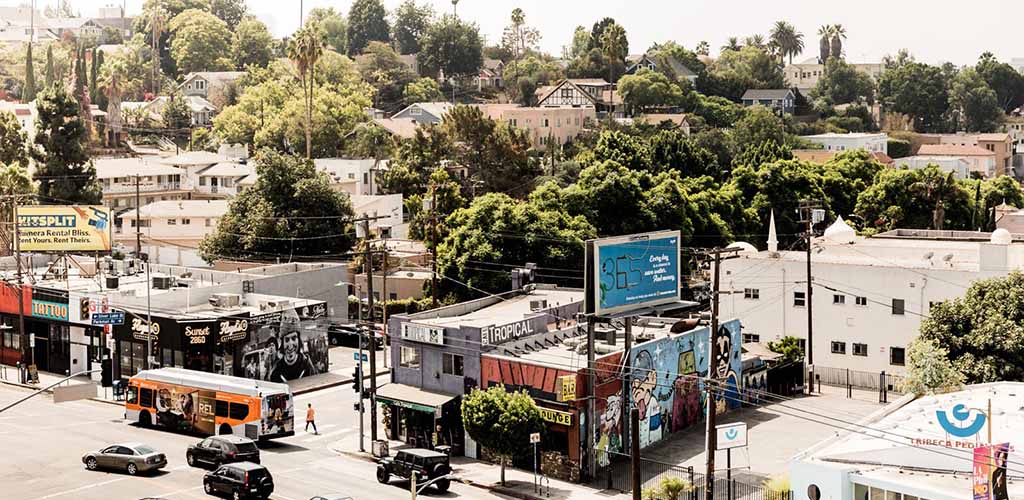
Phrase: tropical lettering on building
(495, 335)
(141, 330)
(197, 335)
(232, 330)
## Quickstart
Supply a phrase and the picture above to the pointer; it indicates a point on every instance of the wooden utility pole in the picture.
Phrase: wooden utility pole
(138, 223)
(433, 245)
(371, 341)
(21, 286)
(807, 208)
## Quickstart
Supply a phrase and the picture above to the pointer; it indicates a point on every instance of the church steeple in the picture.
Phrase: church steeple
(773, 240)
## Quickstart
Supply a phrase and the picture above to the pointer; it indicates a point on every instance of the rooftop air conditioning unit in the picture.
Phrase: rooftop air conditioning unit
(225, 300)
(163, 282)
(131, 267)
(278, 304)
(185, 282)
(538, 305)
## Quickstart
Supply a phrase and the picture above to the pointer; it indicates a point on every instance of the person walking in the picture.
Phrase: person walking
(311, 418)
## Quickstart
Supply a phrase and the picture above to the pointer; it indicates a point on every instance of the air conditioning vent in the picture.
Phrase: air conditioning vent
(226, 300)
(538, 305)
(163, 282)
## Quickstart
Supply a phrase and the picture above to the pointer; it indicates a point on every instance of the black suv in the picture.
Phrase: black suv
(345, 334)
(240, 480)
(425, 464)
(217, 450)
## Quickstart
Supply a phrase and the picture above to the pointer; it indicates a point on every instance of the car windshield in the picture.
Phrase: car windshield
(246, 447)
(144, 450)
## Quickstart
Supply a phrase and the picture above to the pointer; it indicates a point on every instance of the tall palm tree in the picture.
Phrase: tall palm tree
(732, 43)
(157, 27)
(936, 187)
(613, 44)
(824, 43)
(305, 50)
(788, 39)
(838, 35)
(754, 41)
(114, 81)
(703, 48)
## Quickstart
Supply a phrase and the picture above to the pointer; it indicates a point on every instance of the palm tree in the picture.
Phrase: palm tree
(732, 44)
(157, 27)
(613, 43)
(703, 48)
(305, 50)
(788, 39)
(935, 187)
(824, 46)
(838, 35)
(114, 81)
(754, 41)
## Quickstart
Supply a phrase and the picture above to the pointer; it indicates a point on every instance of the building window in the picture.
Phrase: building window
(567, 93)
(838, 299)
(410, 357)
(838, 347)
(202, 181)
(185, 222)
(799, 299)
(451, 364)
(751, 293)
(860, 349)
(415, 111)
(751, 338)
(392, 296)
(932, 304)
(897, 356)
(200, 85)
(366, 178)
(897, 306)
(862, 301)
(172, 222)
(547, 123)
(209, 222)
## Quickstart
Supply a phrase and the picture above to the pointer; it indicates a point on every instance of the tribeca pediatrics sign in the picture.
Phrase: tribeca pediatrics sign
(631, 272)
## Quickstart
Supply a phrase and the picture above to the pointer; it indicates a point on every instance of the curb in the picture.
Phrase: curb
(50, 391)
(334, 384)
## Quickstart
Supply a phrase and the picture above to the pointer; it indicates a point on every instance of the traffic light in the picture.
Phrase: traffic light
(357, 379)
(83, 303)
(106, 374)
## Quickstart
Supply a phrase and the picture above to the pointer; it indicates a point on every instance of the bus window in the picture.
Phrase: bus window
(222, 408)
(146, 398)
(238, 411)
(133, 395)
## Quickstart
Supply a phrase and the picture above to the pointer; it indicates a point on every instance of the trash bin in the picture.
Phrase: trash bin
(380, 448)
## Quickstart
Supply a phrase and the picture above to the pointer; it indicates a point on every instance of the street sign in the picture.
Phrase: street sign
(535, 438)
(731, 436)
(32, 340)
(355, 356)
(108, 318)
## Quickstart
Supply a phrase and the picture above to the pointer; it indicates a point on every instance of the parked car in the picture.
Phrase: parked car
(347, 334)
(425, 464)
(132, 458)
(223, 449)
(239, 480)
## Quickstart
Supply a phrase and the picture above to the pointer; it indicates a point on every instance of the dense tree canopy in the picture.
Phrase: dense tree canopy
(843, 83)
(63, 170)
(411, 23)
(367, 22)
(230, 11)
(252, 44)
(918, 90)
(13, 142)
(975, 106)
(333, 26)
(291, 213)
(501, 421)
(452, 46)
(200, 42)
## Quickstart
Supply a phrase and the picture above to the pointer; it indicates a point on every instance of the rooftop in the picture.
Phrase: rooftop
(400, 127)
(502, 312)
(849, 135)
(111, 168)
(767, 93)
(228, 169)
(185, 208)
(194, 158)
(953, 150)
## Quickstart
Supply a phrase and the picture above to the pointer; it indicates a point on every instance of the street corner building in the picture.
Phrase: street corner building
(953, 446)
(531, 341)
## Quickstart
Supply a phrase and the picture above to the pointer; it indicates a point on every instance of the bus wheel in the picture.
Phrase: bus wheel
(225, 429)
(145, 419)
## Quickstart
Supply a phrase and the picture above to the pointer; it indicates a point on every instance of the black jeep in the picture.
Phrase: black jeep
(425, 464)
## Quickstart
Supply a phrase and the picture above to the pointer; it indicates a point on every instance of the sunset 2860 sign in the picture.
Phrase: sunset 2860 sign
(631, 272)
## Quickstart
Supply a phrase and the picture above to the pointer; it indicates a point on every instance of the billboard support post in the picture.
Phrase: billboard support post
(21, 285)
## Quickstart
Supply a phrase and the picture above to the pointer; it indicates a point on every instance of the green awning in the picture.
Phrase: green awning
(413, 398)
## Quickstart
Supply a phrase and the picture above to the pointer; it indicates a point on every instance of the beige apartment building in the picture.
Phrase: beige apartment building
(999, 144)
(804, 76)
(545, 125)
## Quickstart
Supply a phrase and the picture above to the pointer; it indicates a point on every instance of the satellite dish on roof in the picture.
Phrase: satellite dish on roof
(929, 255)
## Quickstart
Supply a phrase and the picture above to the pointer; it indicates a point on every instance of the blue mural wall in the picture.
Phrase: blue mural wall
(665, 386)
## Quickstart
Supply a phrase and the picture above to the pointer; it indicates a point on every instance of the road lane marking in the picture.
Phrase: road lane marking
(327, 435)
(82, 488)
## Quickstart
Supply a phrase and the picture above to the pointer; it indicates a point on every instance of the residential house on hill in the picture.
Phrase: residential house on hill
(202, 111)
(353, 176)
(805, 75)
(677, 120)
(1000, 143)
(582, 92)
(824, 155)
(546, 126)
(403, 128)
(181, 223)
(875, 143)
(782, 101)
(960, 167)
(217, 87)
(663, 63)
(425, 112)
(982, 161)
(490, 75)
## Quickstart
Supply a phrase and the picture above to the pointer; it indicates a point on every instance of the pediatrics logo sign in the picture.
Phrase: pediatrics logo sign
(631, 272)
(960, 422)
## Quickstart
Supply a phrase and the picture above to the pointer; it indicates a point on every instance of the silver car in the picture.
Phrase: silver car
(132, 458)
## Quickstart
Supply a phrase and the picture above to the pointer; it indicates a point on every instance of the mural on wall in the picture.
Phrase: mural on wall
(666, 388)
(608, 405)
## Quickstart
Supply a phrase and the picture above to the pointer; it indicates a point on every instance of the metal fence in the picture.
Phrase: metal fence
(619, 477)
(884, 383)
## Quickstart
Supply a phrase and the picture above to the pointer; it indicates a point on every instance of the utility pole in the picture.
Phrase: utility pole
(138, 217)
(627, 382)
(807, 209)
(591, 397)
(384, 297)
(711, 437)
(21, 286)
(433, 244)
(373, 330)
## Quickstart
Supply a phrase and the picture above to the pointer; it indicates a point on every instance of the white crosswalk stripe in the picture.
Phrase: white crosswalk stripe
(328, 435)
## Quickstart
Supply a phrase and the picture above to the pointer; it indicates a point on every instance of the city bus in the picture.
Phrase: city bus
(208, 403)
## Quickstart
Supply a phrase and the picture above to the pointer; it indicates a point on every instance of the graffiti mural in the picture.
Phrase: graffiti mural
(666, 386)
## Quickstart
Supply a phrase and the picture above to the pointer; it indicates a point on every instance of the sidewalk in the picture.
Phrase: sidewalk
(518, 483)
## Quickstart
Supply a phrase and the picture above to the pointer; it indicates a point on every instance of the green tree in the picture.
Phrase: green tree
(501, 421)
(974, 103)
(63, 169)
(176, 115)
(649, 89)
(367, 22)
(29, 94)
(788, 39)
(670, 488)
(789, 348)
(14, 180)
(382, 68)
(1005, 80)
(93, 74)
(519, 38)
(597, 31)
(411, 23)
(446, 193)
(910, 199)
(292, 211)
(843, 83)
(252, 44)
(770, 151)
(982, 330)
(918, 90)
(422, 90)
(305, 50)
(581, 42)
(615, 46)
(735, 71)
(760, 124)
(334, 27)
(114, 82)
(934, 188)
(495, 153)
(50, 75)
(232, 12)
(13, 147)
(673, 150)
(451, 46)
(200, 42)
(613, 198)
(929, 369)
(627, 150)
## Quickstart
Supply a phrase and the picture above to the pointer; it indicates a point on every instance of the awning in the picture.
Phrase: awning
(414, 398)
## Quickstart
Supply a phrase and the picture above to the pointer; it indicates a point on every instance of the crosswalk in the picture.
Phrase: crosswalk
(325, 433)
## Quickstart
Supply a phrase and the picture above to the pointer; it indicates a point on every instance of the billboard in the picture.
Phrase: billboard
(64, 228)
(631, 272)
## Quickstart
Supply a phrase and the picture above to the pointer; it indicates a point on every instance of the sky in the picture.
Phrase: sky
(935, 31)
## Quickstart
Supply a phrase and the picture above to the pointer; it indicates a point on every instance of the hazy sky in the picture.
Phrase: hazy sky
(933, 30)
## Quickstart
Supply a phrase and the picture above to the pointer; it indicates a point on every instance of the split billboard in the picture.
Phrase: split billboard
(64, 228)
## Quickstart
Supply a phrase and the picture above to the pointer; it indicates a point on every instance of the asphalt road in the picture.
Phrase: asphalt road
(41, 445)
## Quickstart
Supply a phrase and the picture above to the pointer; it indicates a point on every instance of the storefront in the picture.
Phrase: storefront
(421, 418)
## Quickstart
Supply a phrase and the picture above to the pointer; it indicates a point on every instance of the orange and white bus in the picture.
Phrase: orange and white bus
(209, 403)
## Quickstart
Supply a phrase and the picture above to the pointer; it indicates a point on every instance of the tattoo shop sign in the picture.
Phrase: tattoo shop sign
(496, 335)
